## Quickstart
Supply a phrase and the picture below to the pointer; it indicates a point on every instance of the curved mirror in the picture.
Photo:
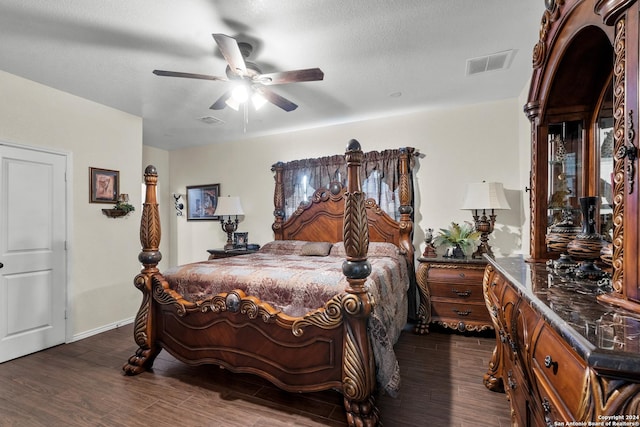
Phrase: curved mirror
(566, 186)
(605, 150)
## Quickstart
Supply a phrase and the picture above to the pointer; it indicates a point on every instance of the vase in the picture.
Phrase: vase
(457, 252)
(588, 243)
(454, 251)
(606, 254)
(559, 235)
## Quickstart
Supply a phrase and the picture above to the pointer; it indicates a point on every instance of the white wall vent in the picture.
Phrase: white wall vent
(210, 120)
(493, 62)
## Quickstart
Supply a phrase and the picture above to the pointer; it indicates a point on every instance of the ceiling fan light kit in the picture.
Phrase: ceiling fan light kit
(258, 100)
(251, 83)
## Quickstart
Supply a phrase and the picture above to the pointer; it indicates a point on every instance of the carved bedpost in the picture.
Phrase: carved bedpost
(358, 364)
(150, 256)
(405, 192)
(278, 200)
(406, 205)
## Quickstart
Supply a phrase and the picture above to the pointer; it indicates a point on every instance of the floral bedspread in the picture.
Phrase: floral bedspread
(296, 284)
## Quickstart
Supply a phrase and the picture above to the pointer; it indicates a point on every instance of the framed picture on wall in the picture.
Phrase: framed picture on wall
(202, 201)
(104, 185)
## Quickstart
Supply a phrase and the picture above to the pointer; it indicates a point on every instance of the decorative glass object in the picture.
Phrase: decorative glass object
(588, 243)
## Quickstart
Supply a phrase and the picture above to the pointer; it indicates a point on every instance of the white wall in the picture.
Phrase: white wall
(457, 146)
(103, 250)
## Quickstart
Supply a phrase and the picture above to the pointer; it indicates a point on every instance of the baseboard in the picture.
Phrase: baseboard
(101, 329)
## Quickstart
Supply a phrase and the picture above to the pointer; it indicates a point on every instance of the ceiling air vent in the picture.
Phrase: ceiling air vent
(210, 120)
(493, 62)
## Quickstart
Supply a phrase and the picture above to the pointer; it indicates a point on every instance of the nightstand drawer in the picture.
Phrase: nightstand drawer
(459, 274)
(465, 292)
(460, 312)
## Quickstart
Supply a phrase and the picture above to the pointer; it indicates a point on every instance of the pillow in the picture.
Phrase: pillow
(383, 249)
(283, 247)
(338, 250)
(316, 249)
(380, 249)
(296, 247)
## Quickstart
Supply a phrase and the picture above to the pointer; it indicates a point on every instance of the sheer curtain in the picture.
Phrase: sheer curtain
(380, 179)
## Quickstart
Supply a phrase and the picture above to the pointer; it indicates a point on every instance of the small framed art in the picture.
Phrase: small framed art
(104, 185)
(202, 201)
(240, 240)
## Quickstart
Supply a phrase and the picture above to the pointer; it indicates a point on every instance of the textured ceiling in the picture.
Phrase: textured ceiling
(369, 50)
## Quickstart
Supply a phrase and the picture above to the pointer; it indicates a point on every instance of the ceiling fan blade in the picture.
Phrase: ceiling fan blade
(277, 100)
(231, 52)
(221, 102)
(283, 77)
(186, 75)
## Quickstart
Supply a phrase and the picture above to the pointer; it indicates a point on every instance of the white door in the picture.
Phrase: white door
(32, 251)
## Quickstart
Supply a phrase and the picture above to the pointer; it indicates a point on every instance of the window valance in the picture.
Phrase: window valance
(379, 174)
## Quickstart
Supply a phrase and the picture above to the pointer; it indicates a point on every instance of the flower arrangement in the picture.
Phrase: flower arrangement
(464, 236)
(124, 206)
(123, 203)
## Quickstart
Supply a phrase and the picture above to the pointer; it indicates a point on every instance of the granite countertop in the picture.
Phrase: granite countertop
(608, 338)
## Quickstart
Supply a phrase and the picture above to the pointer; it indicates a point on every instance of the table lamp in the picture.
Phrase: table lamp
(229, 207)
(484, 198)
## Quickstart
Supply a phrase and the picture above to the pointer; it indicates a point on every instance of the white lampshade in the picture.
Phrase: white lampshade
(228, 206)
(485, 195)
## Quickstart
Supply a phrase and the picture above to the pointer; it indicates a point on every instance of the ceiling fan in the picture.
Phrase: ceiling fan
(250, 80)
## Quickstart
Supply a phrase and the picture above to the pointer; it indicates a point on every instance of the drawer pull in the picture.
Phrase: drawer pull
(512, 383)
(461, 275)
(464, 294)
(493, 284)
(550, 363)
(546, 406)
(462, 313)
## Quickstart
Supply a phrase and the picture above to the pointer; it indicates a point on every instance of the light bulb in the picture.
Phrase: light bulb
(258, 100)
(240, 94)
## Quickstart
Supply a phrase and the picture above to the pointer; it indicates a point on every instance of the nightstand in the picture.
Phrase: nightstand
(451, 294)
(221, 253)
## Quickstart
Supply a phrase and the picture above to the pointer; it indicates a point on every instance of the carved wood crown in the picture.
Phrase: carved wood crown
(551, 15)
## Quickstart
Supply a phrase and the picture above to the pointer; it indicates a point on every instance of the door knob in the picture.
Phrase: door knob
(1, 265)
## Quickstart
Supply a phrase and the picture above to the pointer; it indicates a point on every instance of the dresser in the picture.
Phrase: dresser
(451, 294)
(560, 356)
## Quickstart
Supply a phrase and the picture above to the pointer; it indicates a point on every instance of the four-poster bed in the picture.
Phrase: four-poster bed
(341, 345)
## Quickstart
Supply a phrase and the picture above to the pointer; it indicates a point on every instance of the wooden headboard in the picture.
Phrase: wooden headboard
(321, 219)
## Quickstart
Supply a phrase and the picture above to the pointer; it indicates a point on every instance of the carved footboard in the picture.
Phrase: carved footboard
(328, 348)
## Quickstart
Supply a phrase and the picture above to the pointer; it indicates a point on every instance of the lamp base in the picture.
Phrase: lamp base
(484, 247)
(229, 227)
(484, 224)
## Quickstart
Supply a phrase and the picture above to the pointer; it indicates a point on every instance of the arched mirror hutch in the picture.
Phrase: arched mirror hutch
(567, 318)
(583, 106)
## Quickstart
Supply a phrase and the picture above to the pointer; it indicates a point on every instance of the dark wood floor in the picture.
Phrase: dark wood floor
(81, 384)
